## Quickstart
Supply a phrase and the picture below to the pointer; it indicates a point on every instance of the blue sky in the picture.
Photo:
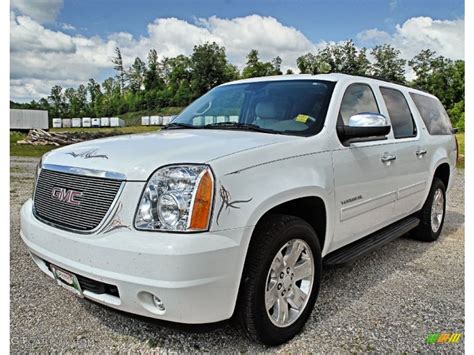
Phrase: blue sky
(66, 42)
(319, 20)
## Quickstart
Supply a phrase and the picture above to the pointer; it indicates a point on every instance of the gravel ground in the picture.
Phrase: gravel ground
(388, 301)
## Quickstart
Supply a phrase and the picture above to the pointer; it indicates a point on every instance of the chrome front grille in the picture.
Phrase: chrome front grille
(72, 201)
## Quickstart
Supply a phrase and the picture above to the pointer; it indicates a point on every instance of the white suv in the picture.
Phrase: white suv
(235, 207)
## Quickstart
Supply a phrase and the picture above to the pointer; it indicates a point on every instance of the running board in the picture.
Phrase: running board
(349, 253)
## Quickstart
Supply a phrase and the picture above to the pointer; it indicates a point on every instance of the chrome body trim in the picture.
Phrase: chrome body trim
(78, 231)
(85, 172)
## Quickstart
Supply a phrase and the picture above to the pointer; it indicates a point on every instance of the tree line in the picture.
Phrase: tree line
(155, 84)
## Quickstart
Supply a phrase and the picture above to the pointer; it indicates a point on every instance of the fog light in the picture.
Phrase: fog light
(158, 304)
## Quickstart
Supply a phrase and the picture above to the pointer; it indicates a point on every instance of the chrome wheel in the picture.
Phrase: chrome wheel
(289, 283)
(437, 210)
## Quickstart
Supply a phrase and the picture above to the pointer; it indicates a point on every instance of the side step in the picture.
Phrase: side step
(349, 253)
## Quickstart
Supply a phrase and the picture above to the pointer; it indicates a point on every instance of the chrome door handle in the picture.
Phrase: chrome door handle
(421, 152)
(388, 158)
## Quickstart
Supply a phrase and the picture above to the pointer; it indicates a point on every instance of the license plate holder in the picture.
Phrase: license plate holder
(67, 280)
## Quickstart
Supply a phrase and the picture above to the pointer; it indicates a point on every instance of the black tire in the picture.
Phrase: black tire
(269, 237)
(424, 232)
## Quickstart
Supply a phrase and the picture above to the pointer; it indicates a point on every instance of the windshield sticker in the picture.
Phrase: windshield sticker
(301, 118)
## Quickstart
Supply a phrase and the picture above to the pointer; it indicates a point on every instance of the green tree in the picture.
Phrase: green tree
(255, 68)
(58, 105)
(152, 75)
(440, 76)
(118, 66)
(95, 97)
(136, 75)
(443, 78)
(209, 67)
(81, 99)
(335, 58)
(387, 64)
(71, 102)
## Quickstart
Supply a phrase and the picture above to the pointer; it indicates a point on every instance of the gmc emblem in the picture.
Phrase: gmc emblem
(65, 195)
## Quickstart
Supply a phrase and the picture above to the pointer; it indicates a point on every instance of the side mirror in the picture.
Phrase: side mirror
(364, 127)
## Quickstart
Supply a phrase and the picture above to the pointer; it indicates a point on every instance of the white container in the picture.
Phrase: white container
(198, 121)
(86, 122)
(76, 122)
(220, 119)
(57, 123)
(145, 120)
(116, 122)
(105, 122)
(155, 120)
(208, 119)
(95, 122)
(28, 119)
(233, 118)
(67, 123)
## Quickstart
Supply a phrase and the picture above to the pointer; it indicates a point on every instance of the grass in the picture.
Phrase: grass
(460, 137)
(27, 150)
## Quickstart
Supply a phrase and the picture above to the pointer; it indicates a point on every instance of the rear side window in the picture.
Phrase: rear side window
(433, 114)
(358, 98)
(400, 115)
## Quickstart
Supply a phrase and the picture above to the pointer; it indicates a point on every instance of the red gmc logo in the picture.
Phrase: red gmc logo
(65, 195)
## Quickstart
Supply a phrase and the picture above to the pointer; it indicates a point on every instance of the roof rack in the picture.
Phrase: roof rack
(384, 80)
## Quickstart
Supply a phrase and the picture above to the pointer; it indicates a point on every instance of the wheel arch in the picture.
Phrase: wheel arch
(311, 209)
(443, 172)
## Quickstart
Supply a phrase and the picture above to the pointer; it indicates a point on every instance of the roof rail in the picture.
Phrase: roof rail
(385, 80)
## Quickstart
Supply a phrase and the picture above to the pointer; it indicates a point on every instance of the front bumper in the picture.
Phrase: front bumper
(196, 276)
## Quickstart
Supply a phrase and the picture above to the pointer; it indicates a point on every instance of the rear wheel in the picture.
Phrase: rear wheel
(281, 279)
(432, 214)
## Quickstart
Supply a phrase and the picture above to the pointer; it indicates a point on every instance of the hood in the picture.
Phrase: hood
(138, 155)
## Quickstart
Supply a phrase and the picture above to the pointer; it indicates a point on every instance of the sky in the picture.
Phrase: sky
(66, 42)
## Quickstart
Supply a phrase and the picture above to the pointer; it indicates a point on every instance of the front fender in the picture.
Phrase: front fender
(244, 196)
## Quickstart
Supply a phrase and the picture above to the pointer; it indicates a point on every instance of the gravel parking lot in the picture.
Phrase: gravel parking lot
(388, 301)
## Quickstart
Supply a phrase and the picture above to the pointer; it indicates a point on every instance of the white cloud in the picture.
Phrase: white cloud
(38, 53)
(446, 37)
(39, 10)
(41, 57)
(28, 35)
(68, 27)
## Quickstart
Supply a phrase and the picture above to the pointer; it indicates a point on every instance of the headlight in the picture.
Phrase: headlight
(177, 198)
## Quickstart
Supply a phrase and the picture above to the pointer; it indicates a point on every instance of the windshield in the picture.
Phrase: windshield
(295, 107)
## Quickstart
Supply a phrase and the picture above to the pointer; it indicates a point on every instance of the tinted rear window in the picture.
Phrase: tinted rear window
(400, 114)
(433, 114)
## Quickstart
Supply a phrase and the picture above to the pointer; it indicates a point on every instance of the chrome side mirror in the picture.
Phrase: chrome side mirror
(364, 127)
(368, 119)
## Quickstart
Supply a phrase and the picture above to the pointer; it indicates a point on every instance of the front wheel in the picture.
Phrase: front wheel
(281, 279)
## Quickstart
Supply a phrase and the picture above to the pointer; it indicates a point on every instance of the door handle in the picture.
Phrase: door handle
(388, 158)
(421, 152)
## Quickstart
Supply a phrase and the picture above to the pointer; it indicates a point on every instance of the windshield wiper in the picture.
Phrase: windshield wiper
(243, 126)
(181, 125)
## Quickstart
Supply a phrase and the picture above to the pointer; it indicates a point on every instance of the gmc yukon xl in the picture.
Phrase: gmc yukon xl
(236, 206)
